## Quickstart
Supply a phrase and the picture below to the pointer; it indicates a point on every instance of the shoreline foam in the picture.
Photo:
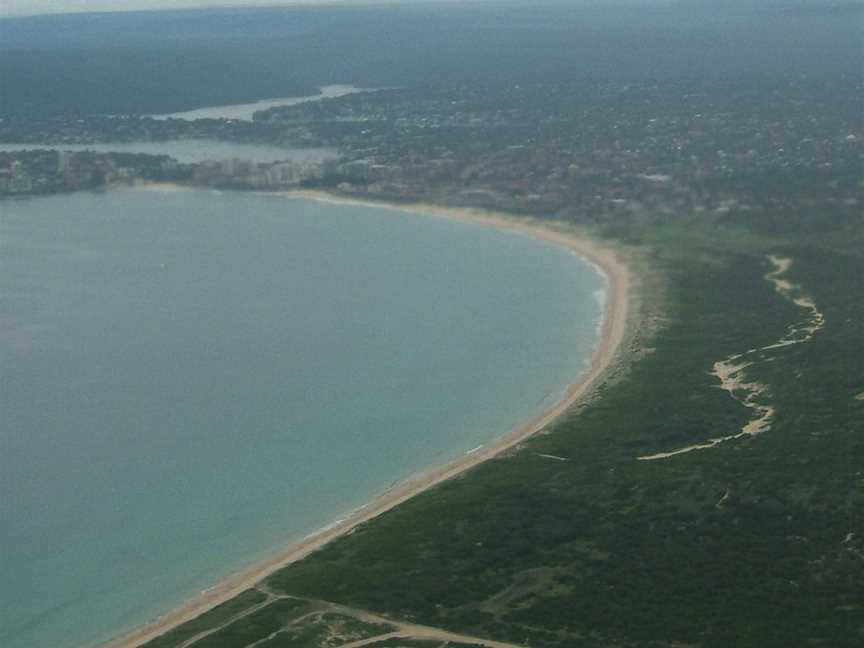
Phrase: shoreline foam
(615, 326)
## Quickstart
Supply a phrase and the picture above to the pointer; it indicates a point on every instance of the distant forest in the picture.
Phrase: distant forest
(178, 60)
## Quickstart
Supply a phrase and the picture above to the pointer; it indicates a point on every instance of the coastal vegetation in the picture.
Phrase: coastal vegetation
(216, 617)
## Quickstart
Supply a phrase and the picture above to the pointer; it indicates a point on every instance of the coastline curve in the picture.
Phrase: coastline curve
(616, 326)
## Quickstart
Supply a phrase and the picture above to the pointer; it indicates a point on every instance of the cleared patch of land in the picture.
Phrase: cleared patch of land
(289, 622)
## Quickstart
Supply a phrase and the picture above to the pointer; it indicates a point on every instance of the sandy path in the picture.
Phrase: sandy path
(398, 629)
(373, 640)
(245, 613)
(616, 326)
(731, 370)
(409, 630)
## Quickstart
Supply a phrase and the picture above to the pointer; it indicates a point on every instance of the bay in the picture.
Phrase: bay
(192, 380)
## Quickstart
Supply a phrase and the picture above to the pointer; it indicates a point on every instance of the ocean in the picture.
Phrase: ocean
(191, 380)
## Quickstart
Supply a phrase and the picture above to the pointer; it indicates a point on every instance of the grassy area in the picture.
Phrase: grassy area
(325, 631)
(256, 626)
(209, 620)
(282, 623)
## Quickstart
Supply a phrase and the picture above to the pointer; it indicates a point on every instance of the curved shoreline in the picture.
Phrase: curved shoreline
(616, 323)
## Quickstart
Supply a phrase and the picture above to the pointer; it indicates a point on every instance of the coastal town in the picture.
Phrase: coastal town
(576, 151)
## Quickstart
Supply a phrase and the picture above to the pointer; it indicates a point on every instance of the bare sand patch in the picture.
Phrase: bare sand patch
(731, 371)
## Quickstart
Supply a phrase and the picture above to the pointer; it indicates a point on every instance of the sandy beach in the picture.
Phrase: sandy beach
(618, 323)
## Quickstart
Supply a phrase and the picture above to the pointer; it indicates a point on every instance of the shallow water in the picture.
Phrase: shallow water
(191, 380)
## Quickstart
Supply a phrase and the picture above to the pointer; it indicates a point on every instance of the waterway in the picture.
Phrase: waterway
(245, 111)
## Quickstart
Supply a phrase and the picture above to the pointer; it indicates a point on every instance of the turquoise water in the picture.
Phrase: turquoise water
(191, 380)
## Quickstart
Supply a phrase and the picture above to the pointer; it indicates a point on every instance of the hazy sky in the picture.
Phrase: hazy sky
(27, 7)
